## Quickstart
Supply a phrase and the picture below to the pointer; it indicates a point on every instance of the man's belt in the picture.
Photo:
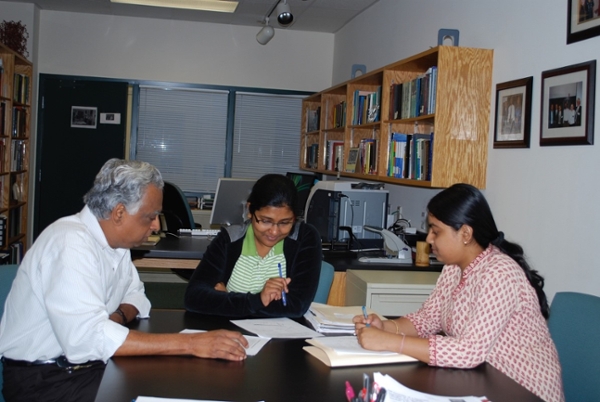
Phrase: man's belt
(60, 361)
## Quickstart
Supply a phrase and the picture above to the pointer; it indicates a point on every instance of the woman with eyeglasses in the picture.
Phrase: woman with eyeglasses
(267, 267)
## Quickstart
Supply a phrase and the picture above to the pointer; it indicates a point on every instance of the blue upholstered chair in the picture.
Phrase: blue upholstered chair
(325, 280)
(7, 274)
(574, 324)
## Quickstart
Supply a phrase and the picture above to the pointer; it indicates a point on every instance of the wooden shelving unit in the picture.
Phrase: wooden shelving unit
(15, 118)
(460, 122)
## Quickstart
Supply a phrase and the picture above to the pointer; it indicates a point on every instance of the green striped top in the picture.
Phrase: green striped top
(251, 271)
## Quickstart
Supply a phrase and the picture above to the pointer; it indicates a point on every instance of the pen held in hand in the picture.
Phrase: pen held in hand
(283, 297)
(364, 309)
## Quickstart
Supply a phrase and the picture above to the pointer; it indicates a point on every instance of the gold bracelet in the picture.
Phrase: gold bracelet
(396, 324)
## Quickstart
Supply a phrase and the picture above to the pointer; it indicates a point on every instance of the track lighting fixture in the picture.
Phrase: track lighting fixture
(284, 13)
(266, 33)
(284, 17)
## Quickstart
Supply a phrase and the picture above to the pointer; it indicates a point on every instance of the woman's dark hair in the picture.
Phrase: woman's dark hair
(273, 190)
(463, 204)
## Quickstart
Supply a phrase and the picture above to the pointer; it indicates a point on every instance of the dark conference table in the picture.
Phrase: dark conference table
(281, 371)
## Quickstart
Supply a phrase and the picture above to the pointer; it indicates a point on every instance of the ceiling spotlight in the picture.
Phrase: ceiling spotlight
(266, 33)
(284, 13)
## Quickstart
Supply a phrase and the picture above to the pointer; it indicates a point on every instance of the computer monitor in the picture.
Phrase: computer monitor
(303, 182)
(229, 206)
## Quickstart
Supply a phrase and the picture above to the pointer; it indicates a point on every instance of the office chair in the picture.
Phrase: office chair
(178, 215)
(176, 209)
(325, 281)
(7, 275)
(574, 325)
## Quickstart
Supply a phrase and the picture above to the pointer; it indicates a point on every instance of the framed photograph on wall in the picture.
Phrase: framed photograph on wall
(513, 114)
(567, 114)
(583, 20)
(84, 117)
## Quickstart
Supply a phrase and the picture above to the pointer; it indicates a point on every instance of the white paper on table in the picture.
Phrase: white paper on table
(255, 343)
(396, 392)
(155, 399)
(282, 327)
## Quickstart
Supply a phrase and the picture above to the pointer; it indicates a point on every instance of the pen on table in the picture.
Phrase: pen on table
(364, 308)
(381, 395)
(349, 392)
(283, 298)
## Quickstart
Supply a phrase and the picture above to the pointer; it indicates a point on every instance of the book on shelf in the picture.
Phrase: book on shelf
(19, 122)
(342, 351)
(2, 118)
(368, 156)
(339, 115)
(313, 118)
(410, 156)
(334, 155)
(2, 80)
(396, 163)
(421, 152)
(352, 160)
(415, 97)
(312, 157)
(396, 100)
(21, 88)
(367, 106)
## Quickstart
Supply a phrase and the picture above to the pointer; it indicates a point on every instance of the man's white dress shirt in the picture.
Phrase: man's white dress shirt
(68, 284)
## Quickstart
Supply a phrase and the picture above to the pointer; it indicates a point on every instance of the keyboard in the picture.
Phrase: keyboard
(198, 232)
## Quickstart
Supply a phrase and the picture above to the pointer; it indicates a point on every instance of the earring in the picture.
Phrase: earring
(465, 243)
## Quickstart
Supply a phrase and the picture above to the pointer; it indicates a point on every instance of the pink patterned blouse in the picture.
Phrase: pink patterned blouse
(491, 314)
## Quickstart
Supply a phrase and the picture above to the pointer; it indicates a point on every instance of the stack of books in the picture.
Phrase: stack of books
(328, 319)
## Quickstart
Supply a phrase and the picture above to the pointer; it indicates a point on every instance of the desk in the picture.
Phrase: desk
(171, 252)
(282, 371)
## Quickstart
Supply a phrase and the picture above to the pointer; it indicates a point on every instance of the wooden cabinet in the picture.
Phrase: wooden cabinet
(15, 117)
(459, 122)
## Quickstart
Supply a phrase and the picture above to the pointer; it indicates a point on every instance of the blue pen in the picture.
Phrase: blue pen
(283, 298)
(364, 308)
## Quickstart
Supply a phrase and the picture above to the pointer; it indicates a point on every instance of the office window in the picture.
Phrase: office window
(183, 133)
(266, 134)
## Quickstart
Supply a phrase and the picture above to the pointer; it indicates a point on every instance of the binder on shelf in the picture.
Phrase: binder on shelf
(352, 160)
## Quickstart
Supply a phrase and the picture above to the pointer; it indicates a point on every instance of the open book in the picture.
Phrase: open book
(341, 351)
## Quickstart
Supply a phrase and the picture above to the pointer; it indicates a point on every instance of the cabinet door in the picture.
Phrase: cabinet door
(68, 158)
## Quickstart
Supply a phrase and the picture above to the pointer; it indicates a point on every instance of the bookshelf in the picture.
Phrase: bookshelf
(452, 88)
(15, 118)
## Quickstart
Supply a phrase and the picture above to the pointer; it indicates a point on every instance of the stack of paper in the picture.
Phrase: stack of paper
(328, 319)
(396, 392)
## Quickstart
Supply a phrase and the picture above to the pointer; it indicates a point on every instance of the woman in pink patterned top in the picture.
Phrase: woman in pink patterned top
(488, 304)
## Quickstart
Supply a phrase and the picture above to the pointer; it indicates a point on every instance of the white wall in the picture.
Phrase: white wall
(182, 51)
(545, 198)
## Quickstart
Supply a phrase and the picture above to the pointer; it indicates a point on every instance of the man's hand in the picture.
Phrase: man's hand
(219, 344)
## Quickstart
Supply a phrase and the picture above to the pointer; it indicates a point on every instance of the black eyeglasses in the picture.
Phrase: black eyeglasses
(268, 224)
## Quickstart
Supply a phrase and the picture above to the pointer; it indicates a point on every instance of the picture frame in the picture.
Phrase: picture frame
(583, 20)
(84, 117)
(567, 105)
(513, 114)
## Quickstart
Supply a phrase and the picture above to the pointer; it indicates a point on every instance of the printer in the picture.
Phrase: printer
(340, 210)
